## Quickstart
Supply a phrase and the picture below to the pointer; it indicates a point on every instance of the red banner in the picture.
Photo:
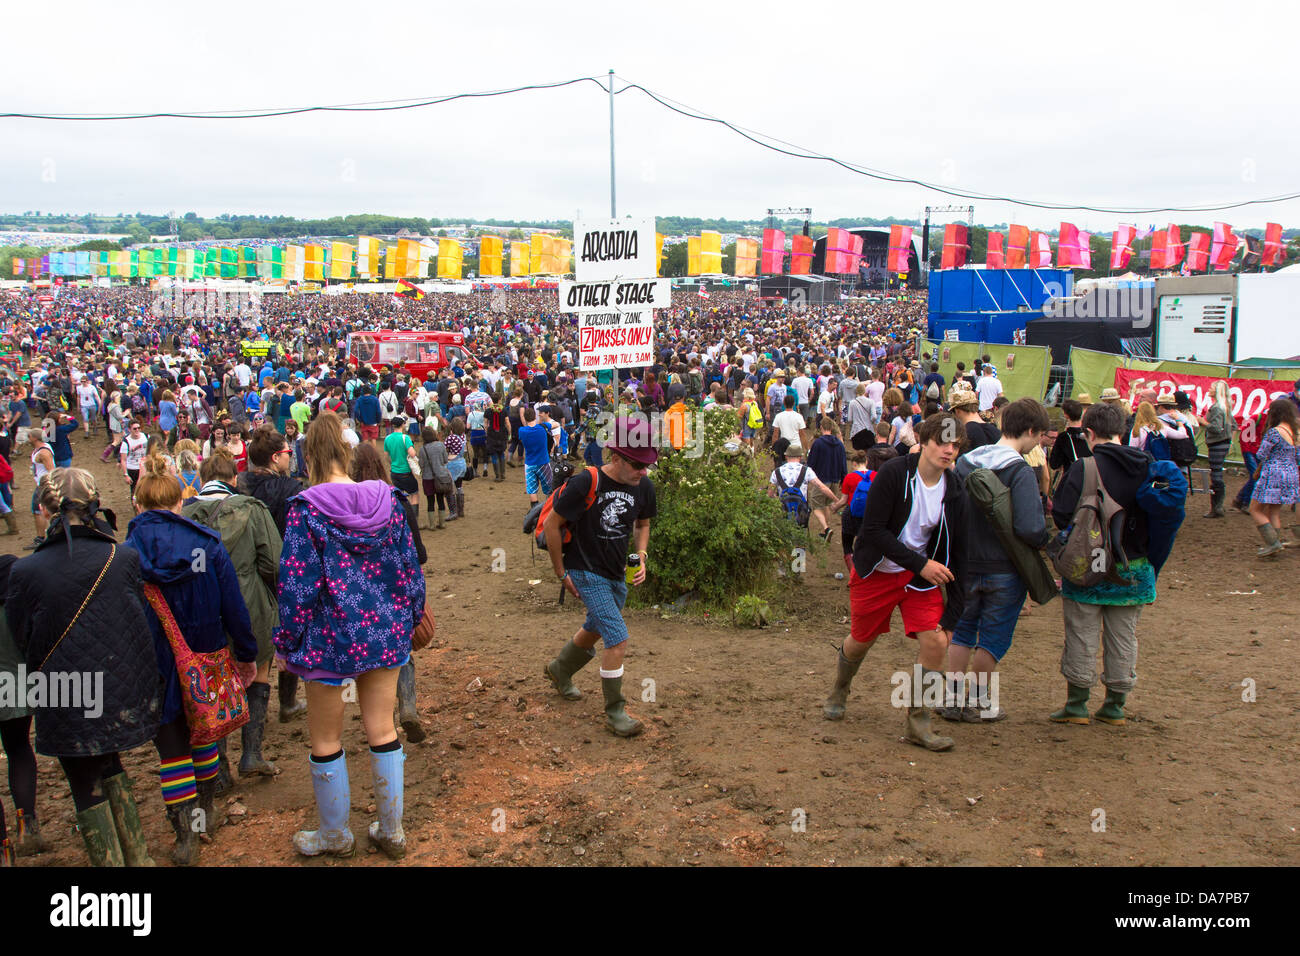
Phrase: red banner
(900, 245)
(1247, 397)
(1017, 246)
(956, 243)
(995, 258)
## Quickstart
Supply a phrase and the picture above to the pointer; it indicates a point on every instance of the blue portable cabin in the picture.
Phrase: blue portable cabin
(991, 305)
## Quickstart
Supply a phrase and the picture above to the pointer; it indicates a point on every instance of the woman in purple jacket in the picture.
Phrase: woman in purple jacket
(351, 592)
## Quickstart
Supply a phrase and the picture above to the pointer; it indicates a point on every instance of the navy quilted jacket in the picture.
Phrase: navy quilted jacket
(110, 638)
(193, 570)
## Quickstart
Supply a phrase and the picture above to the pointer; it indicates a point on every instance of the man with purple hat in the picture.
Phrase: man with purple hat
(595, 563)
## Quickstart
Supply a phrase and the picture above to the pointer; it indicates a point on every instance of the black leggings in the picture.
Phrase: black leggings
(15, 735)
(84, 775)
(173, 740)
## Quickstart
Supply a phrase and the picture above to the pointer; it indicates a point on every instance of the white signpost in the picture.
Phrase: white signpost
(614, 249)
(623, 295)
(615, 263)
(615, 340)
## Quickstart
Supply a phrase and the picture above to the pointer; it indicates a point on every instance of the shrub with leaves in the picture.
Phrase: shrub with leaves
(717, 532)
(751, 611)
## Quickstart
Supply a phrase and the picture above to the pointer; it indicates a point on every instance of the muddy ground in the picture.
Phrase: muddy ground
(737, 765)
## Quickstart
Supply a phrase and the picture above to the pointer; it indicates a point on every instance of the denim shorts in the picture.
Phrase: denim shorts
(341, 681)
(537, 476)
(604, 599)
(993, 603)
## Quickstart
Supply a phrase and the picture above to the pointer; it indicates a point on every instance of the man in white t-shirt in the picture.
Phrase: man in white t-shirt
(243, 373)
(803, 386)
(909, 554)
(788, 423)
(88, 398)
(876, 392)
(988, 388)
(790, 475)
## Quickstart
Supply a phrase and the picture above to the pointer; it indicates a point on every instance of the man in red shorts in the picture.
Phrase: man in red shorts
(907, 554)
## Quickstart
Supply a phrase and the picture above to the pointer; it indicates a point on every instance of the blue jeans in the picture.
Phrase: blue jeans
(993, 603)
(1251, 462)
(591, 452)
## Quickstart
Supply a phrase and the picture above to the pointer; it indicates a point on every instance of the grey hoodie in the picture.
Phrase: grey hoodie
(984, 552)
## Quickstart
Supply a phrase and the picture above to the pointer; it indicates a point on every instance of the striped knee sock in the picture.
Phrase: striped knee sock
(177, 780)
(205, 762)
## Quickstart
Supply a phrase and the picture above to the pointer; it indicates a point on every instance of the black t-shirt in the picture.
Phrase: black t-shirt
(981, 433)
(601, 535)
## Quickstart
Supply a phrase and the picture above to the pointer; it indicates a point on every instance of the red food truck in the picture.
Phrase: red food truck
(421, 353)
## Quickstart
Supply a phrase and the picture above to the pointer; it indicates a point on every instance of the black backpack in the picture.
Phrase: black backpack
(1182, 451)
(792, 498)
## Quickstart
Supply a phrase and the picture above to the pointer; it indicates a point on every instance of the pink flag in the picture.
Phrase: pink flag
(773, 251)
(1121, 246)
(1070, 254)
(1040, 251)
(1198, 251)
(1273, 247)
(900, 245)
(1224, 246)
(1166, 248)
(995, 259)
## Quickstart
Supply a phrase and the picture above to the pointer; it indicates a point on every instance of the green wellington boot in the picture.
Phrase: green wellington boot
(618, 721)
(560, 671)
(97, 830)
(845, 670)
(1112, 710)
(126, 819)
(1075, 710)
(919, 732)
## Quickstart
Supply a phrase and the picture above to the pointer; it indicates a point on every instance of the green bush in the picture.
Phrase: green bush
(751, 611)
(717, 533)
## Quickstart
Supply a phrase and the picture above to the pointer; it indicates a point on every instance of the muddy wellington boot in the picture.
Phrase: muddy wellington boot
(126, 818)
(329, 782)
(225, 780)
(1272, 544)
(251, 761)
(1216, 504)
(407, 715)
(100, 836)
(290, 706)
(28, 840)
(386, 833)
(11, 524)
(1112, 710)
(1075, 710)
(181, 817)
(919, 732)
(568, 662)
(617, 720)
(845, 669)
(460, 504)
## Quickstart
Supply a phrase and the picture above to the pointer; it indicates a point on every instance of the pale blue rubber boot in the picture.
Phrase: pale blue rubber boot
(329, 781)
(386, 832)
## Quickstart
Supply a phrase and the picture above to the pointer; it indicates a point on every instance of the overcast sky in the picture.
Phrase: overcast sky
(1120, 104)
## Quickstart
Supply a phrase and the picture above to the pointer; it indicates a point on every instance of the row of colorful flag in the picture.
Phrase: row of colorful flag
(368, 259)
(1023, 248)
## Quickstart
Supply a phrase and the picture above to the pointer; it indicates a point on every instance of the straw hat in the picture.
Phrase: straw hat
(1166, 398)
(1110, 395)
(1085, 399)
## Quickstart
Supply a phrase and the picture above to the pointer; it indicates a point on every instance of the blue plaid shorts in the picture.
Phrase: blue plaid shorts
(604, 599)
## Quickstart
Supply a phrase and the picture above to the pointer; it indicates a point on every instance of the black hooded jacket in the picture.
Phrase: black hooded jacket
(889, 504)
(272, 490)
(1123, 470)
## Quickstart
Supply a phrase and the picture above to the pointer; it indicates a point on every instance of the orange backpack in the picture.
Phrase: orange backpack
(535, 524)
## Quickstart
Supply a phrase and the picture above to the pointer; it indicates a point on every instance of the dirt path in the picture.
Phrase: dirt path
(737, 765)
